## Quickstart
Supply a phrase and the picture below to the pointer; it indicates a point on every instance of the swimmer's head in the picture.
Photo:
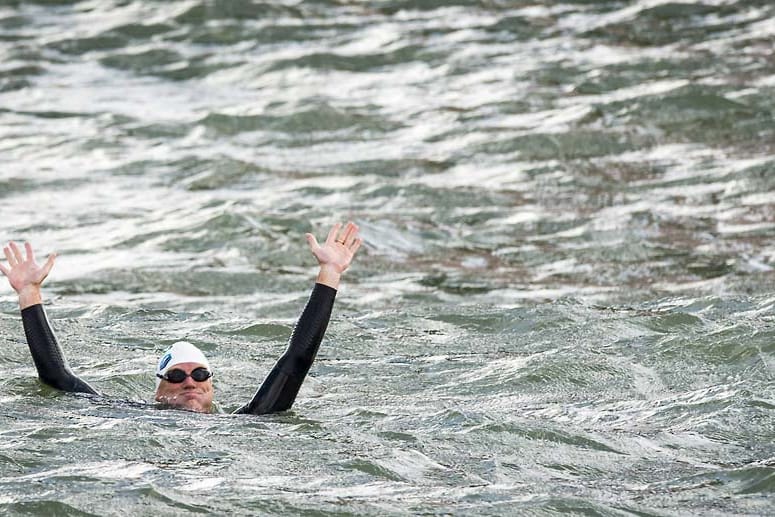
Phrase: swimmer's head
(183, 378)
(180, 352)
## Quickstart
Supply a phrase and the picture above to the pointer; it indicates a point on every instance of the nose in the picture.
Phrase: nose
(189, 383)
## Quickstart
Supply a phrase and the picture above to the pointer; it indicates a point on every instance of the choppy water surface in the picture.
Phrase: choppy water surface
(566, 302)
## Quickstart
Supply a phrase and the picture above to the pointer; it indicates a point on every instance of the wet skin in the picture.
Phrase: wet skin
(189, 394)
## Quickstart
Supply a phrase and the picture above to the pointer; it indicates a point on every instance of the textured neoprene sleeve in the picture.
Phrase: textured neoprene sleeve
(281, 386)
(47, 355)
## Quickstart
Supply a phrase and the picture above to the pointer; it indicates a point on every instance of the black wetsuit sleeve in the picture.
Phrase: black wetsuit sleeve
(281, 386)
(47, 355)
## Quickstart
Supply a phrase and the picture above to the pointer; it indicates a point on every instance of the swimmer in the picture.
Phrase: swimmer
(183, 374)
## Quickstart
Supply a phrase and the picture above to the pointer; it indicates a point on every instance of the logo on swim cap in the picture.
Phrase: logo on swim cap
(166, 358)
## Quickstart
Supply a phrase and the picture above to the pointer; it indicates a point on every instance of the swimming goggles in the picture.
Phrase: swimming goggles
(176, 376)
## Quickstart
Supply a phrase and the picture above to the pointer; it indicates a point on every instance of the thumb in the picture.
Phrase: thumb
(312, 241)
(49, 264)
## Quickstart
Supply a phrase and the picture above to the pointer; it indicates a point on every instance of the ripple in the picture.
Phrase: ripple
(200, 12)
(320, 118)
(564, 302)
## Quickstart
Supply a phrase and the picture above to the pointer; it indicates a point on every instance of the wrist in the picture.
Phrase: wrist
(29, 296)
(329, 276)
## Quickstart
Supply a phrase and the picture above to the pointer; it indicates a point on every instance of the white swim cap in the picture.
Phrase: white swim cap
(180, 352)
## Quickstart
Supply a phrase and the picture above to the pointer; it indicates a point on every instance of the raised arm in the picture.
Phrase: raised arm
(26, 276)
(279, 390)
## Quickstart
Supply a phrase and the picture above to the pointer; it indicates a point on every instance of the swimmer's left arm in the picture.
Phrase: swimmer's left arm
(279, 390)
(26, 277)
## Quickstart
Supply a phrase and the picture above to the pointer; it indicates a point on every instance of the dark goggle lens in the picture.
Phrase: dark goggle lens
(177, 375)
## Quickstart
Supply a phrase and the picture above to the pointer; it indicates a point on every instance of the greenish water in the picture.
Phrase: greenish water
(565, 303)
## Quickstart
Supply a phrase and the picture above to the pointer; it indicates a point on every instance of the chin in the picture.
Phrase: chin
(195, 406)
(201, 409)
(187, 405)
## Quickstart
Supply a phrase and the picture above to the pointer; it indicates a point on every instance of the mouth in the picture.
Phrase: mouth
(191, 401)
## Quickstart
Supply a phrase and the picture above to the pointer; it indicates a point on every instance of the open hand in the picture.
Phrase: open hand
(336, 253)
(24, 273)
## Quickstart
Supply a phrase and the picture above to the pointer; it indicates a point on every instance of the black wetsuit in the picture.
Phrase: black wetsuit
(277, 393)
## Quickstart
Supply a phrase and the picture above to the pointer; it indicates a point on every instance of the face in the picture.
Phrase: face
(189, 394)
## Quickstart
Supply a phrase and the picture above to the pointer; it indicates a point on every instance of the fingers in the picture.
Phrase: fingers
(49, 264)
(355, 245)
(30, 253)
(350, 234)
(9, 256)
(347, 236)
(312, 241)
(14, 256)
(332, 233)
(17, 253)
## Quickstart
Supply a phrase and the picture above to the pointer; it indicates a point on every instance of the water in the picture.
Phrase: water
(564, 304)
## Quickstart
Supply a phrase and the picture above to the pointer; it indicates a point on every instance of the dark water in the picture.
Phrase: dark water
(566, 300)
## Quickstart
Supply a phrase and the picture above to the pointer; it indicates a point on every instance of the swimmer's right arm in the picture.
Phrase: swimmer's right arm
(26, 276)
